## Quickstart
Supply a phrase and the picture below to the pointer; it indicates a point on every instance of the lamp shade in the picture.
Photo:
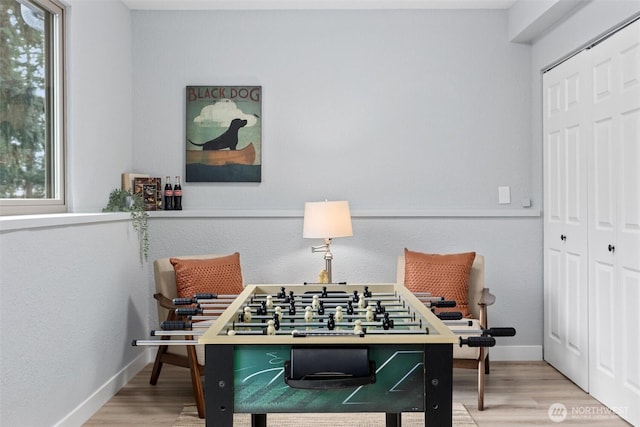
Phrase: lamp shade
(326, 220)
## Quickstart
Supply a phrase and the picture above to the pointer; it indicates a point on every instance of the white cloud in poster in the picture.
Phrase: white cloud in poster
(221, 113)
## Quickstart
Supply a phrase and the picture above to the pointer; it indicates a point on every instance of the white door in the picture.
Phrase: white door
(566, 105)
(614, 225)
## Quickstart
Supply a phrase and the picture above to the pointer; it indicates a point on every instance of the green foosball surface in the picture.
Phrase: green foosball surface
(259, 385)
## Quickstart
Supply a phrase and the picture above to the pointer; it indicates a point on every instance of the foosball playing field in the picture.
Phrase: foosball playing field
(260, 387)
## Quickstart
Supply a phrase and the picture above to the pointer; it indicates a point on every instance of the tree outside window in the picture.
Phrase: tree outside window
(30, 102)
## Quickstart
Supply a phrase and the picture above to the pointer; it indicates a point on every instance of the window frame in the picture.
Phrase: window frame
(55, 75)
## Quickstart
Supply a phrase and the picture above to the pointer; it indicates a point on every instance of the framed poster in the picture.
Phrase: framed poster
(224, 134)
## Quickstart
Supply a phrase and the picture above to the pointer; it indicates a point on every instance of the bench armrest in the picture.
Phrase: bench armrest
(164, 301)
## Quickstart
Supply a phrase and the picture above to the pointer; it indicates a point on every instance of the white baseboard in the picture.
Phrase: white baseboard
(515, 353)
(93, 403)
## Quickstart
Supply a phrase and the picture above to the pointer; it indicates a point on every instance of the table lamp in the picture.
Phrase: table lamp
(326, 220)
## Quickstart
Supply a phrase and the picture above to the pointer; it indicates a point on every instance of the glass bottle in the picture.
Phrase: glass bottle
(168, 194)
(177, 195)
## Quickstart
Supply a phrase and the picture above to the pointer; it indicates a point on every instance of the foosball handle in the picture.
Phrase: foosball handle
(478, 341)
(501, 332)
(174, 325)
(183, 301)
(443, 303)
(205, 296)
(449, 315)
(188, 311)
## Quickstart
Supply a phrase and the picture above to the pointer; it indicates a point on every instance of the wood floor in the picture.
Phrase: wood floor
(517, 394)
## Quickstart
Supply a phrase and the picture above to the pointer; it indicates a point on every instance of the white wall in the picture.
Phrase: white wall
(73, 296)
(99, 101)
(418, 109)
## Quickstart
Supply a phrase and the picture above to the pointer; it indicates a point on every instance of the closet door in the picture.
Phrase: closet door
(614, 224)
(566, 104)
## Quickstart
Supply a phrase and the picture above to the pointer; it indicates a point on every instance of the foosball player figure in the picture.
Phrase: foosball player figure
(361, 302)
(369, 314)
(357, 328)
(245, 316)
(271, 329)
(308, 314)
(331, 323)
(262, 309)
(387, 322)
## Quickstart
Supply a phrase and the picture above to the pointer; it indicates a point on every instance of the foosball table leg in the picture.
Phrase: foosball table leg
(258, 420)
(219, 385)
(438, 379)
(393, 419)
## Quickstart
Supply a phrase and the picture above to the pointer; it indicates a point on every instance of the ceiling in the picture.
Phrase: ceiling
(314, 4)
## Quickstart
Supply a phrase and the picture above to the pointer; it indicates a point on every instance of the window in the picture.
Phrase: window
(32, 167)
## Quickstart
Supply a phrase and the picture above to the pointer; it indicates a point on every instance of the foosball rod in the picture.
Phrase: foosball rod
(325, 304)
(194, 311)
(202, 297)
(330, 295)
(235, 325)
(331, 310)
(161, 342)
(180, 325)
(494, 332)
(171, 333)
(427, 296)
(450, 323)
(285, 316)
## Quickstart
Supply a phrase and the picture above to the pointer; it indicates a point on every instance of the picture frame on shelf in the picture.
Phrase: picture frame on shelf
(128, 180)
(150, 189)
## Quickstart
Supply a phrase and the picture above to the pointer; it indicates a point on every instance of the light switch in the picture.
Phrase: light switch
(504, 195)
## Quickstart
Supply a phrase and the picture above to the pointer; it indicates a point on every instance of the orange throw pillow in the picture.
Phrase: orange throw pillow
(215, 275)
(444, 275)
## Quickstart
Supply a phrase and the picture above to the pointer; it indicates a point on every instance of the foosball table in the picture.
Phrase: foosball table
(328, 348)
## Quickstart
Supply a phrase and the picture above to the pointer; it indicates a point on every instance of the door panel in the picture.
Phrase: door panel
(614, 229)
(566, 92)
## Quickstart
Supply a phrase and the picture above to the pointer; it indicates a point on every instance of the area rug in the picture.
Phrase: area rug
(461, 418)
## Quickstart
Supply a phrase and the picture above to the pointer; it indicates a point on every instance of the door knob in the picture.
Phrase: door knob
(611, 248)
(563, 237)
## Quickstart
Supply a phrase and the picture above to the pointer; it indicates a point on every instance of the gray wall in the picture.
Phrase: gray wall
(391, 110)
(72, 291)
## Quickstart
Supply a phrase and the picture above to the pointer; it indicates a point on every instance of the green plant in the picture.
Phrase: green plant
(126, 201)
